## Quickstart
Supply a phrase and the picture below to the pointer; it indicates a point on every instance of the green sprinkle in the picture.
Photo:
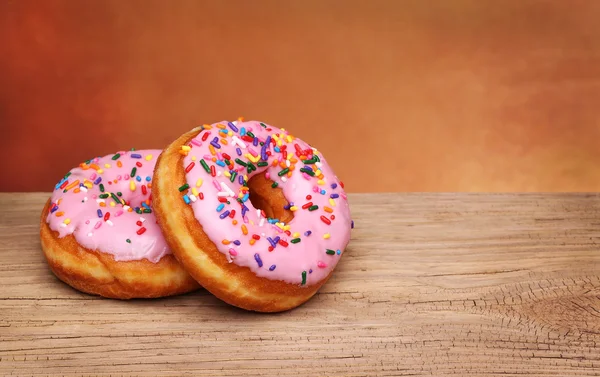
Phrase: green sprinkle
(233, 175)
(147, 210)
(311, 161)
(227, 162)
(330, 252)
(132, 149)
(275, 184)
(262, 124)
(313, 208)
(184, 187)
(308, 171)
(119, 193)
(116, 157)
(283, 172)
(133, 172)
(101, 187)
(317, 158)
(241, 162)
(115, 198)
(67, 175)
(250, 134)
(262, 163)
(128, 240)
(205, 166)
(251, 166)
(295, 240)
(303, 277)
(103, 196)
(139, 211)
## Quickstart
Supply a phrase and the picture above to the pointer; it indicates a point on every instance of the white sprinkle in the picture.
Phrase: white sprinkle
(283, 179)
(109, 222)
(99, 200)
(237, 141)
(258, 213)
(222, 194)
(235, 122)
(262, 222)
(318, 164)
(193, 198)
(85, 199)
(126, 208)
(63, 225)
(287, 163)
(226, 188)
(142, 219)
(83, 188)
(90, 234)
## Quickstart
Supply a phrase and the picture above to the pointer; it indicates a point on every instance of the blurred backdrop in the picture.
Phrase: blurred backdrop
(399, 95)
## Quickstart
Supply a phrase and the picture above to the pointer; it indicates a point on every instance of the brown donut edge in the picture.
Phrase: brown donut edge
(234, 284)
(99, 274)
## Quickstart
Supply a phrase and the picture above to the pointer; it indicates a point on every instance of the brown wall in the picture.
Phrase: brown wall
(399, 95)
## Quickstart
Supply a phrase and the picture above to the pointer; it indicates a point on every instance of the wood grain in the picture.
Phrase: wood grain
(432, 284)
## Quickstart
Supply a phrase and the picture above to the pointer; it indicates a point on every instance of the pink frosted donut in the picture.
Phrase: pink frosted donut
(100, 235)
(275, 257)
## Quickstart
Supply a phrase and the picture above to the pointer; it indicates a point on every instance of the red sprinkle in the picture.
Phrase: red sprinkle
(205, 136)
(342, 184)
(141, 231)
(307, 205)
(288, 232)
(283, 243)
(268, 153)
(106, 216)
(213, 172)
(308, 197)
(270, 248)
(298, 149)
(222, 199)
(190, 166)
(247, 138)
(201, 196)
(227, 157)
(138, 164)
(138, 223)
(325, 220)
(256, 237)
(284, 155)
(232, 214)
(64, 184)
(332, 217)
(144, 190)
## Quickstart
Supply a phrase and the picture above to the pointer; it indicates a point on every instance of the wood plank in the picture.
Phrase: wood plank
(432, 284)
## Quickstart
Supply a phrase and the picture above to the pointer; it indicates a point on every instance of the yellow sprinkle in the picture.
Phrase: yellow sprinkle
(326, 236)
(88, 185)
(112, 204)
(59, 214)
(279, 225)
(318, 172)
(289, 139)
(149, 157)
(194, 191)
(289, 156)
(186, 148)
(287, 227)
(230, 133)
(279, 143)
(252, 241)
(244, 229)
(327, 209)
(67, 221)
(100, 171)
(296, 235)
(107, 166)
(332, 202)
(293, 208)
(132, 185)
(212, 149)
(193, 158)
(320, 182)
(274, 137)
(199, 182)
(226, 173)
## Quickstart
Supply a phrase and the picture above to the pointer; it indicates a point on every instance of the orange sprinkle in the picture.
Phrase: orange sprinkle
(102, 204)
(212, 149)
(182, 152)
(327, 209)
(302, 157)
(94, 166)
(320, 176)
(223, 141)
(225, 242)
(72, 184)
(129, 209)
(207, 127)
(221, 126)
(84, 166)
(275, 162)
(234, 222)
(252, 241)
(244, 229)
(282, 164)
(292, 167)
(293, 160)
(289, 174)
(214, 159)
(119, 164)
(59, 214)
(76, 190)
(241, 119)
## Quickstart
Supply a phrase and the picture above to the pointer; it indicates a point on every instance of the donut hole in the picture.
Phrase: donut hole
(271, 200)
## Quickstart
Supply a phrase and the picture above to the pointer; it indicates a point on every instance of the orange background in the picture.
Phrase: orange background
(398, 95)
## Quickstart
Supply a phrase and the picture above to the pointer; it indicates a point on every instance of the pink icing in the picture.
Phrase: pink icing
(305, 262)
(119, 233)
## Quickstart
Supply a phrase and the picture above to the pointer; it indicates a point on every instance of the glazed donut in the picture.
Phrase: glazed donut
(254, 214)
(99, 233)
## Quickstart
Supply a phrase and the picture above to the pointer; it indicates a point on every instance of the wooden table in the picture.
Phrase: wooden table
(432, 284)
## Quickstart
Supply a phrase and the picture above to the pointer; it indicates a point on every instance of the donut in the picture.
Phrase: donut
(253, 213)
(99, 232)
